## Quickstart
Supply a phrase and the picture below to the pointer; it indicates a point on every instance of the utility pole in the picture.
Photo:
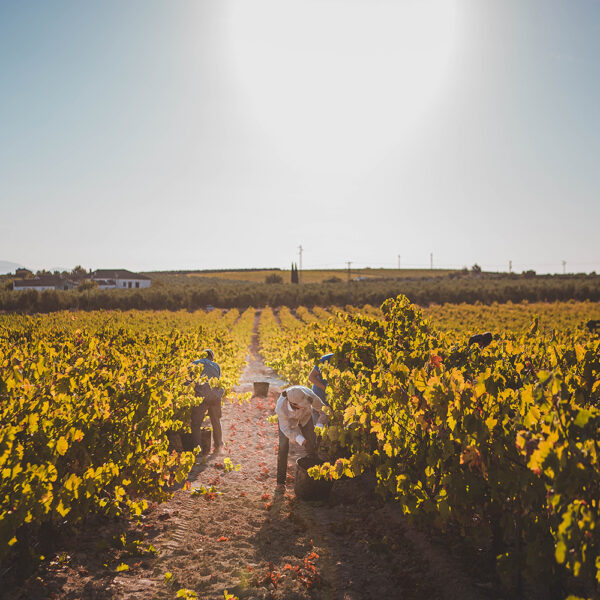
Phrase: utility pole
(299, 262)
(398, 261)
(431, 261)
(348, 262)
(510, 266)
(564, 264)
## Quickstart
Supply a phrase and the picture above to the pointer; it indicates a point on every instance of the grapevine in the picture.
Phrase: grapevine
(500, 443)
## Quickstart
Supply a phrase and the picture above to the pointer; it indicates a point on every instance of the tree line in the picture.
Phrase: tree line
(199, 294)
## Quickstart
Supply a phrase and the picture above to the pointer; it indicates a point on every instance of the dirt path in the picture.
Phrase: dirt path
(257, 543)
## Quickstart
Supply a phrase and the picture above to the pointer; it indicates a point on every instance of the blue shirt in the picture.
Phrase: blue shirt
(318, 391)
(209, 368)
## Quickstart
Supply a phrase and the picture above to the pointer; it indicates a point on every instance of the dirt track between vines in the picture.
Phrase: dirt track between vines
(255, 542)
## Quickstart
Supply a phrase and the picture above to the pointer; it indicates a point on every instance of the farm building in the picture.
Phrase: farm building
(120, 279)
(43, 283)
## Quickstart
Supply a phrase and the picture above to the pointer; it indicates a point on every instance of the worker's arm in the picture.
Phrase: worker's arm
(318, 406)
(290, 429)
(322, 418)
(315, 378)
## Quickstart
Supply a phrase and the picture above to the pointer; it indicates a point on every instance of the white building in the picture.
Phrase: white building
(41, 284)
(120, 279)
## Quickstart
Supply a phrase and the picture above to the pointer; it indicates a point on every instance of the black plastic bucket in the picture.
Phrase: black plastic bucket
(174, 439)
(261, 389)
(205, 440)
(200, 437)
(305, 486)
(187, 441)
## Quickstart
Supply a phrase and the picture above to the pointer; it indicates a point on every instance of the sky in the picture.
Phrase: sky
(204, 134)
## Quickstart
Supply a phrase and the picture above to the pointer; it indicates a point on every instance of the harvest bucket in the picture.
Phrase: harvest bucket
(261, 388)
(305, 486)
(187, 441)
(205, 437)
(200, 436)
(174, 439)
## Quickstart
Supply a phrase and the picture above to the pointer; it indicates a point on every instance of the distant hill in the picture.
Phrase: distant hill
(8, 267)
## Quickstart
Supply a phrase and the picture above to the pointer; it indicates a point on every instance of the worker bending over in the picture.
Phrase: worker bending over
(294, 410)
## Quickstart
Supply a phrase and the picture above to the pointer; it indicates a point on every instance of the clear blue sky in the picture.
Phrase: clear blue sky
(217, 133)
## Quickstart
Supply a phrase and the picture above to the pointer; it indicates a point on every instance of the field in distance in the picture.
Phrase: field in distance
(321, 275)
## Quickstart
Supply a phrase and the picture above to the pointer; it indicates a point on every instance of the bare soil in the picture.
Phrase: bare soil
(252, 540)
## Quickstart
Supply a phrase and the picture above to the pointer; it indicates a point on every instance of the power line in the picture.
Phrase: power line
(559, 266)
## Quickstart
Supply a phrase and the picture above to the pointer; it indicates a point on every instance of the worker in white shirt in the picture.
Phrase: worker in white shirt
(294, 412)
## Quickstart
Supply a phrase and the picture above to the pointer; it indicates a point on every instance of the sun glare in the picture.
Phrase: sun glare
(336, 84)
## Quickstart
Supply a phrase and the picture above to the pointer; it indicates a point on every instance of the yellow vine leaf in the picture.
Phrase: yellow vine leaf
(62, 445)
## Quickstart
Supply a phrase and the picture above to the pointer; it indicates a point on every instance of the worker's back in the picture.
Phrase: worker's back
(209, 368)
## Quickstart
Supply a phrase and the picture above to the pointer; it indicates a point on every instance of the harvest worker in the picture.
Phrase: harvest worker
(211, 402)
(294, 411)
(316, 378)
